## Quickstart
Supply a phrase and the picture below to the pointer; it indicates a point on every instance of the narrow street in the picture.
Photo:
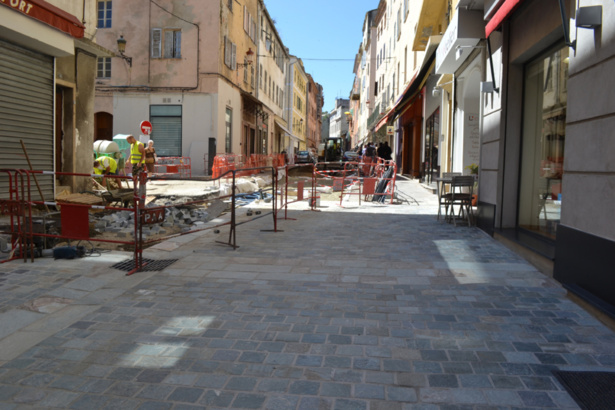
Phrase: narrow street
(386, 308)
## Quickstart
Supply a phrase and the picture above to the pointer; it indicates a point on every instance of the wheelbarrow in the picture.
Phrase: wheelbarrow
(118, 196)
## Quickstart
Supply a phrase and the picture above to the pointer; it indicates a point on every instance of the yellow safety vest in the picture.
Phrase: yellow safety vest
(135, 155)
(102, 165)
(112, 164)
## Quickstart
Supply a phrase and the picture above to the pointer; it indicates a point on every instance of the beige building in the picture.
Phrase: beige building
(296, 104)
(208, 74)
(47, 80)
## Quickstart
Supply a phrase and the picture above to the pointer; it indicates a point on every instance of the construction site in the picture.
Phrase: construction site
(170, 203)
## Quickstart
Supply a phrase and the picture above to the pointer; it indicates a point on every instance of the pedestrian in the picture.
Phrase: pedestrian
(137, 149)
(150, 157)
(368, 158)
(106, 166)
(387, 151)
(380, 151)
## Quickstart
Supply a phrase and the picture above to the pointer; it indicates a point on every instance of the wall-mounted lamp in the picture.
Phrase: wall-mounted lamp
(121, 47)
(589, 17)
(248, 59)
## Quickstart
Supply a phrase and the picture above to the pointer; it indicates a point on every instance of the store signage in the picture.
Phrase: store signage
(48, 14)
(464, 32)
(390, 129)
(21, 5)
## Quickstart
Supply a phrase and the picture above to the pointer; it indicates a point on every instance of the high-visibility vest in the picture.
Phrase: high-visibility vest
(112, 163)
(135, 155)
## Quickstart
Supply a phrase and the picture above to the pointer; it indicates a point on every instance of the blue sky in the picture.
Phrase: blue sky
(321, 29)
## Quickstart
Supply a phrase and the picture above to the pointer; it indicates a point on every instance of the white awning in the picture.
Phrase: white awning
(287, 131)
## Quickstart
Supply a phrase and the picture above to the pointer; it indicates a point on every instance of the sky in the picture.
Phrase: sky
(326, 35)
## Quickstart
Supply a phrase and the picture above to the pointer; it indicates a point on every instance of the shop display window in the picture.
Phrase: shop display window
(544, 133)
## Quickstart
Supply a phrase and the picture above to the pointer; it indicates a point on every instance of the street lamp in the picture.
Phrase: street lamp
(248, 58)
(121, 47)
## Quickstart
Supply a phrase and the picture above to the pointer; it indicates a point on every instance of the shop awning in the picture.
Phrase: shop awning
(48, 14)
(283, 128)
(503, 12)
(413, 87)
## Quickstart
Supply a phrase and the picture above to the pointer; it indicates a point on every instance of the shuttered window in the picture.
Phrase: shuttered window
(166, 43)
(230, 53)
(167, 129)
(26, 113)
(156, 43)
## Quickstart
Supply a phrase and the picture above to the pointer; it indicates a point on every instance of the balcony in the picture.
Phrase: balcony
(373, 119)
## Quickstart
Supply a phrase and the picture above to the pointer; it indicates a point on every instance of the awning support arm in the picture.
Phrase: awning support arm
(566, 27)
(496, 89)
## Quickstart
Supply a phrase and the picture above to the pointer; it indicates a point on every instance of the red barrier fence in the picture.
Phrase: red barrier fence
(247, 165)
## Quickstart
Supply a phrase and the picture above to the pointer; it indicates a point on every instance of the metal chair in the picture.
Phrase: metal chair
(442, 195)
(462, 190)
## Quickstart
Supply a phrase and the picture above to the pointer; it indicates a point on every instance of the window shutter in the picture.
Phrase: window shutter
(227, 52)
(234, 56)
(178, 44)
(168, 44)
(246, 20)
(156, 42)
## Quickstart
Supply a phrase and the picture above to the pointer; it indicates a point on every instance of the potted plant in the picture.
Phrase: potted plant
(474, 171)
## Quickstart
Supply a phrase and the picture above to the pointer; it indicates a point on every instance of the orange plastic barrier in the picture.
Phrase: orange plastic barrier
(231, 162)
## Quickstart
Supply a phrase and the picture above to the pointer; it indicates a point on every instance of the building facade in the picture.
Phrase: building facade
(48, 53)
(315, 101)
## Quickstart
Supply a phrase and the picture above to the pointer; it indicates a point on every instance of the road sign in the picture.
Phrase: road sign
(146, 127)
(390, 129)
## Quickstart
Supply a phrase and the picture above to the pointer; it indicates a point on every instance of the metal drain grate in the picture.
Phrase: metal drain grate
(152, 264)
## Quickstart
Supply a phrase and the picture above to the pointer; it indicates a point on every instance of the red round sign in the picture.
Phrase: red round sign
(146, 127)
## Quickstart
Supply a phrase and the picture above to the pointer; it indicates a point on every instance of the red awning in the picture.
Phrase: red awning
(503, 12)
(48, 14)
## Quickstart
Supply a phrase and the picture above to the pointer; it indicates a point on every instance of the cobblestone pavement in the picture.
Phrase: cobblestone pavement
(378, 307)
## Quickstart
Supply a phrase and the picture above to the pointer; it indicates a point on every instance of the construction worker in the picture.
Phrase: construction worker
(137, 154)
(106, 166)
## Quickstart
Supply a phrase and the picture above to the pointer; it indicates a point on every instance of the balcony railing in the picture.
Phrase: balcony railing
(373, 119)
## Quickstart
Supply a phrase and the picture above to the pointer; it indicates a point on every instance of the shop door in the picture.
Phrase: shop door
(26, 113)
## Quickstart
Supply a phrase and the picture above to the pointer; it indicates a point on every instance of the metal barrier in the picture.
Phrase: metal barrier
(284, 202)
(173, 166)
(74, 218)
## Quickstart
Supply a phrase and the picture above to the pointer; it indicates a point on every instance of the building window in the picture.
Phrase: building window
(104, 67)
(228, 131)
(169, 40)
(544, 132)
(104, 14)
(230, 54)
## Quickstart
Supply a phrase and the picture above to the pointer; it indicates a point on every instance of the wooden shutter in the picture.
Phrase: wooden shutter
(234, 56)
(227, 52)
(177, 43)
(168, 44)
(156, 42)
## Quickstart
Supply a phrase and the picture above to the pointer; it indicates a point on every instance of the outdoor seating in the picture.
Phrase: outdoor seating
(462, 190)
(447, 178)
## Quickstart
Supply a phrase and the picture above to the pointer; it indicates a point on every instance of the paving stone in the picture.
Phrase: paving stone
(186, 394)
(536, 399)
(241, 383)
(443, 380)
(304, 387)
